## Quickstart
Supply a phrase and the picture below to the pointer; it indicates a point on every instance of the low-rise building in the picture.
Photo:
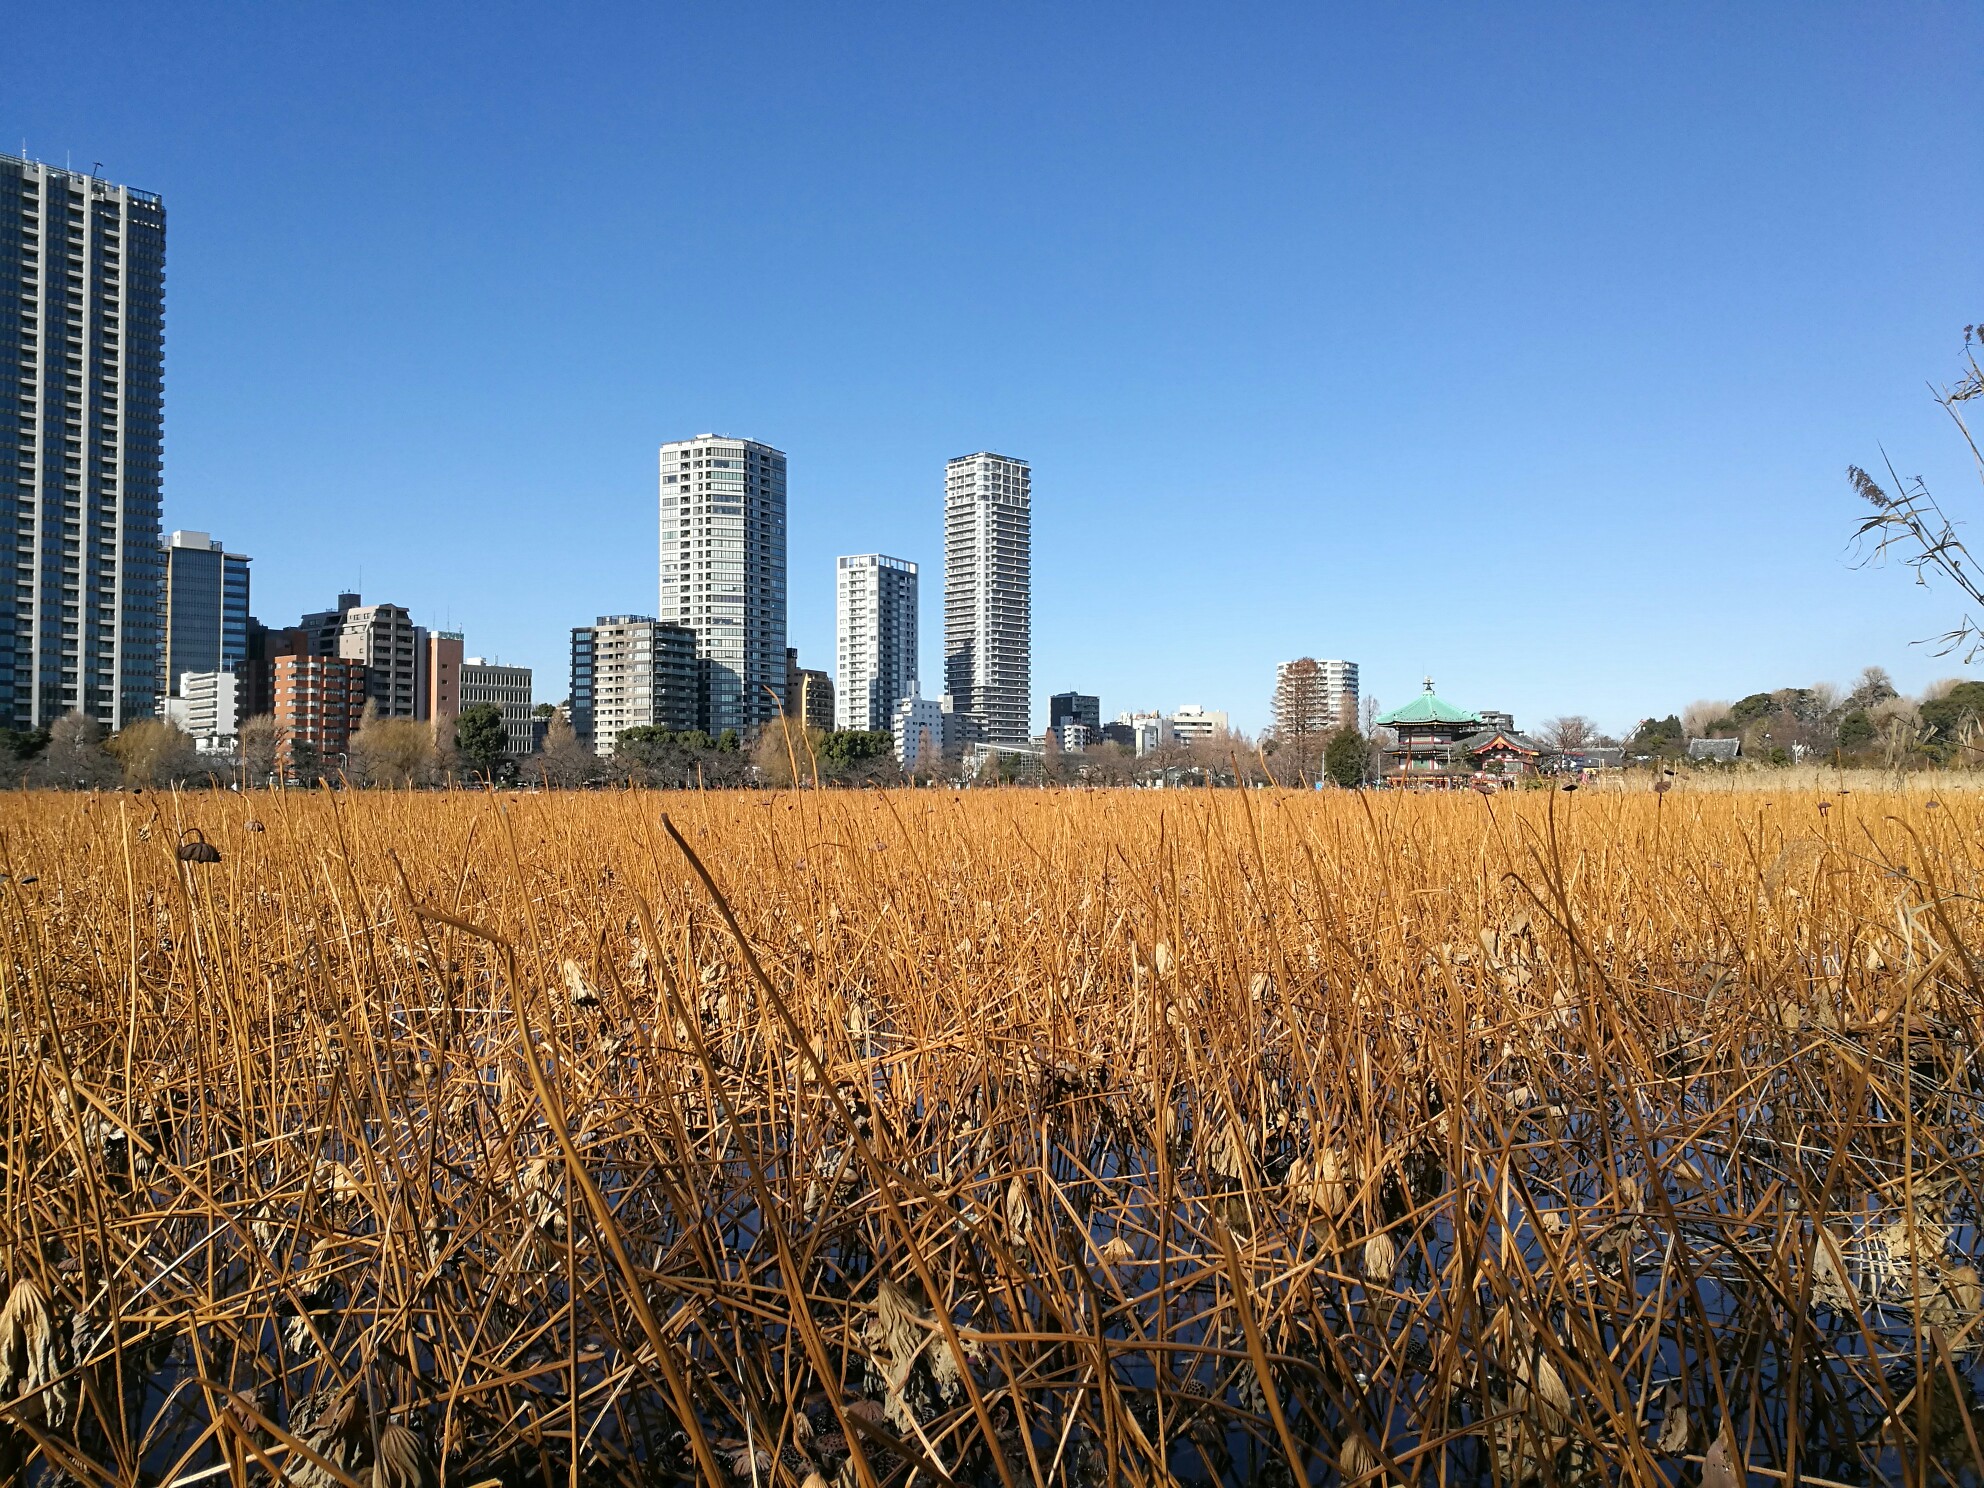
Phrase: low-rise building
(508, 688)
(809, 694)
(1192, 724)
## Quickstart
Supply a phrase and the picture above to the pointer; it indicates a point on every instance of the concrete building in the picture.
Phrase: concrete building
(1191, 724)
(258, 671)
(988, 596)
(874, 638)
(723, 572)
(320, 701)
(809, 695)
(1314, 697)
(1074, 737)
(508, 687)
(207, 706)
(384, 639)
(632, 671)
(918, 724)
(203, 608)
(1149, 732)
(82, 263)
(441, 678)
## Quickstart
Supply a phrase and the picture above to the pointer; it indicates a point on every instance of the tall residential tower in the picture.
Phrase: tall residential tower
(723, 572)
(988, 596)
(875, 639)
(82, 306)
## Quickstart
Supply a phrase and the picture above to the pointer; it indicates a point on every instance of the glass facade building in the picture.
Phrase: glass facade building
(82, 306)
(203, 615)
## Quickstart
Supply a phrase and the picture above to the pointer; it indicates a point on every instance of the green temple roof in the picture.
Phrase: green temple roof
(1427, 708)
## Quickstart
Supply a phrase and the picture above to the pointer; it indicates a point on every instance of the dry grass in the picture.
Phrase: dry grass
(991, 1138)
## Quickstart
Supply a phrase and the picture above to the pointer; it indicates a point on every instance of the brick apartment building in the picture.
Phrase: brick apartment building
(319, 701)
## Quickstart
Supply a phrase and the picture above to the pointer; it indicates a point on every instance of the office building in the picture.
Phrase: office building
(207, 706)
(809, 695)
(1191, 724)
(918, 724)
(82, 304)
(874, 639)
(203, 608)
(632, 671)
(320, 701)
(723, 572)
(988, 596)
(508, 687)
(384, 639)
(1074, 707)
(441, 678)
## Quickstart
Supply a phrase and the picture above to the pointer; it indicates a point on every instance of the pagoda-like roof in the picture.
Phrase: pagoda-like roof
(1427, 708)
(1487, 739)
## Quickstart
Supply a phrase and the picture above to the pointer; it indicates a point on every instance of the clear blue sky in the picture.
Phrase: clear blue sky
(1522, 345)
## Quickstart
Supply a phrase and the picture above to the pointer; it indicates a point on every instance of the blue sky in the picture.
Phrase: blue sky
(1521, 345)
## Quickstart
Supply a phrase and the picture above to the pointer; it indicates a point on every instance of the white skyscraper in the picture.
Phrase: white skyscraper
(723, 572)
(875, 639)
(988, 596)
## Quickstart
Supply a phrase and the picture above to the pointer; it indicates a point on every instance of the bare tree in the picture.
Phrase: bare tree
(1571, 732)
(1698, 716)
(74, 756)
(1304, 719)
(396, 752)
(256, 746)
(153, 752)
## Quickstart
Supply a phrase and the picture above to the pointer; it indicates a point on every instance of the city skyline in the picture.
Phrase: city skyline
(1454, 288)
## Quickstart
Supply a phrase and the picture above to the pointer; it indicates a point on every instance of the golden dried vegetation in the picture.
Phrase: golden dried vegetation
(1013, 1138)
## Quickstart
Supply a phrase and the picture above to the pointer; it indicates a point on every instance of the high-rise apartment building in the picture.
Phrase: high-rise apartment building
(320, 701)
(385, 640)
(874, 639)
(632, 671)
(723, 572)
(203, 611)
(988, 596)
(508, 687)
(82, 306)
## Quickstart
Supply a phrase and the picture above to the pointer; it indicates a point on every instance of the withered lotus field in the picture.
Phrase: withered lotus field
(1001, 1137)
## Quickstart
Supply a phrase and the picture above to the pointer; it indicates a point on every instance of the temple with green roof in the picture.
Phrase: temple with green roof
(1436, 744)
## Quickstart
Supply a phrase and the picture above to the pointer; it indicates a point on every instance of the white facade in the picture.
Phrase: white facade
(1152, 730)
(723, 572)
(207, 707)
(918, 724)
(874, 639)
(1192, 724)
(988, 596)
(1335, 694)
(508, 687)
